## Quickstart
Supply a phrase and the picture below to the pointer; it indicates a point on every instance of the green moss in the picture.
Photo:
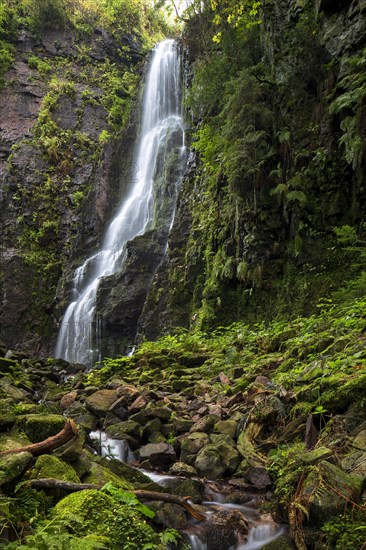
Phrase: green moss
(52, 467)
(100, 475)
(93, 512)
(38, 427)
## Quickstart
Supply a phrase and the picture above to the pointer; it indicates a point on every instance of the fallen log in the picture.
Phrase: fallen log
(51, 483)
(69, 431)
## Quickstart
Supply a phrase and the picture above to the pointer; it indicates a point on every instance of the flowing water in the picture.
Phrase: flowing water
(161, 118)
(261, 532)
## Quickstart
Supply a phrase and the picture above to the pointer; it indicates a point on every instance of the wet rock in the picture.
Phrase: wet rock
(128, 427)
(71, 450)
(156, 437)
(12, 466)
(131, 393)
(132, 475)
(182, 469)
(158, 411)
(120, 408)
(214, 460)
(157, 454)
(100, 401)
(182, 425)
(192, 488)
(315, 456)
(223, 529)
(280, 543)
(360, 441)
(171, 515)
(151, 427)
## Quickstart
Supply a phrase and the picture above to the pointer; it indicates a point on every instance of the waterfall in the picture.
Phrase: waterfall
(161, 118)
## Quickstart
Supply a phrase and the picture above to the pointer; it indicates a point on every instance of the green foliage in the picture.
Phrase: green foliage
(286, 470)
(128, 498)
(347, 531)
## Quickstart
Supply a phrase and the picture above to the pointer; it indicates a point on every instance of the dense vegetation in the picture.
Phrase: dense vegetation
(261, 296)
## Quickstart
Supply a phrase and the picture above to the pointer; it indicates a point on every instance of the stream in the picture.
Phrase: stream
(262, 530)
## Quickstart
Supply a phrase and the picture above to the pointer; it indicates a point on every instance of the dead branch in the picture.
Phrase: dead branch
(51, 483)
(69, 431)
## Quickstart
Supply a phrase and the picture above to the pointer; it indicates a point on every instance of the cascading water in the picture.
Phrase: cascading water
(161, 118)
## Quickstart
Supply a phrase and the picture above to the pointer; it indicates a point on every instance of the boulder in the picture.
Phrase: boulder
(171, 515)
(157, 454)
(226, 427)
(51, 466)
(214, 460)
(12, 466)
(101, 515)
(182, 469)
(205, 424)
(191, 444)
(38, 427)
(82, 416)
(120, 429)
(100, 401)
(329, 490)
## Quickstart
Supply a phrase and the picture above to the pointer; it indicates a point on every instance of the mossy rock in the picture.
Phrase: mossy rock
(120, 429)
(39, 427)
(7, 365)
(12, 441)
(329, 491)
(9, 390)
(51, 466)
(100, 475)
(7, 420)
(93, 512)
(214, 460)
(13, 466)
(131, 475)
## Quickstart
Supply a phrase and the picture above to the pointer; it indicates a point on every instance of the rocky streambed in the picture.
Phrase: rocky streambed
(244, 462)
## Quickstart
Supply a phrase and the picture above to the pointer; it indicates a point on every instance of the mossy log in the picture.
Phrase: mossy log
(69, 431)
(51, 483)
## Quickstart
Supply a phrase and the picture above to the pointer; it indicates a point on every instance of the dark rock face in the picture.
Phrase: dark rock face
(301, 89)
(59, 181)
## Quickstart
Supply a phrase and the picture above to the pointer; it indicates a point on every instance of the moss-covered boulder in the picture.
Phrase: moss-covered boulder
(51, 466)
(38, 427)
(12, 441)
(100, 401)
(93, 512)
(214, 460)
(99, 475)
(12, 466)
(329, 490)
(191, 444)
(226, 427)
(120, 429)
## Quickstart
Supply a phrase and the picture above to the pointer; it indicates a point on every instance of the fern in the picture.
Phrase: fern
(128, 498)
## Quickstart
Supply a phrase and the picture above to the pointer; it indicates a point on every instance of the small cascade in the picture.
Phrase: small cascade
(113, 448)
(162, 134)
(261, 529)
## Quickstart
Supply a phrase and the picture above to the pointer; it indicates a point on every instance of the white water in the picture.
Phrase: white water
(161, 117)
